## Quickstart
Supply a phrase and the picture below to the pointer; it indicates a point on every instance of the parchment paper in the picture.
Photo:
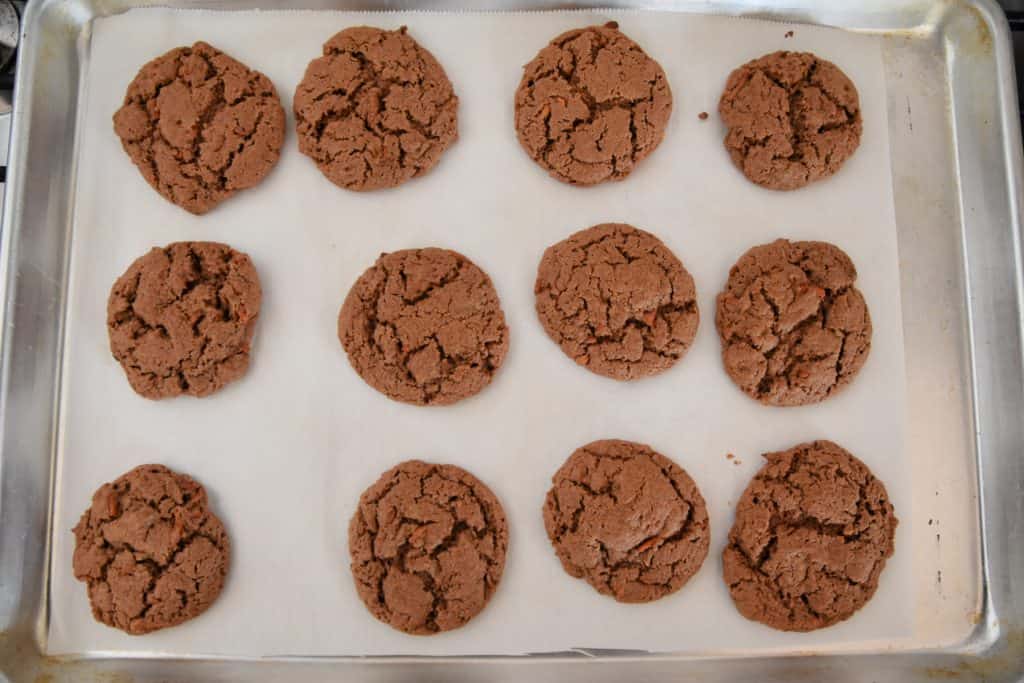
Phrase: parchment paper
(286, 451)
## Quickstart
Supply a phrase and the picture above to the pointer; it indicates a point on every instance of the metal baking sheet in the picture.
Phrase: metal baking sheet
(956, 175)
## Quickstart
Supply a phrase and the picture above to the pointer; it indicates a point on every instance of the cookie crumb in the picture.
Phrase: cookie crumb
(729, 456)
(789, 34)
(703, 116)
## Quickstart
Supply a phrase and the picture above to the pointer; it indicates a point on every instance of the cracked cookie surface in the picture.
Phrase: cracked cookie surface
(375, 110)
(200, 126)
(793, 118)
(181, 319)
(628, 520)
(813, 531)
(428, 546)
(150, 550)
(592, 105)
(617, 301)
(424, 326)
(794, 328)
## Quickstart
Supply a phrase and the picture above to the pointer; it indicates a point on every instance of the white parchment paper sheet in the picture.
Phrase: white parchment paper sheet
(286, 451)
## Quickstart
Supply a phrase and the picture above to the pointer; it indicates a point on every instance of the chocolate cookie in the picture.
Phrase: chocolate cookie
(794, 329)
(428, 546)
(592, 105)
(376, 110)
(628, 520)
(200, 126)
(812, 533)
(424, 326)
(617, 301)
(793, 118)
(150, 550)
(181, 318)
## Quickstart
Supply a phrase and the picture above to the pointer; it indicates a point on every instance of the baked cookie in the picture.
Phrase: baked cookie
(376, 110)
(150, 550)
(428, 546)
(424, 326)
(181, 318)
(793, 118)
(200, 126)
(628, 520)
(793, 326)
(812, 533)
(591, 106)
(617, 301)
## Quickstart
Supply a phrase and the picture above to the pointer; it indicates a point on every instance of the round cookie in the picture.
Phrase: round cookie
(592, 105)
(424, 326)
(812, 533)
(617, 301)
(428, 546)
(793, 326)
(151, 552)
(200, 126)
(628, 520)
(793, 118)
(181, 319)
(376, 110)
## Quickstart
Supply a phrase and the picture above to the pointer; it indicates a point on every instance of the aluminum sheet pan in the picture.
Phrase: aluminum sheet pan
(956, 180)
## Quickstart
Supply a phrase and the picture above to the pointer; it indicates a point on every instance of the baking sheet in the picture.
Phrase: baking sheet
(286, 451)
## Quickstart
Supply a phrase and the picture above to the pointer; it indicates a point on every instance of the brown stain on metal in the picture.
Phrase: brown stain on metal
(1009, 660)
(981, 42)
(20, 660)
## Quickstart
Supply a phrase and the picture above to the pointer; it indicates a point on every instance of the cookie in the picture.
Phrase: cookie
(617, 301)
(376, 110)
(793, 118)
(794, 328)
(591, 106)
(424, 326)
(151, 552)
(181, 319)
(200, 126)
(428, 546)
(812, 533)
(627, 520)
